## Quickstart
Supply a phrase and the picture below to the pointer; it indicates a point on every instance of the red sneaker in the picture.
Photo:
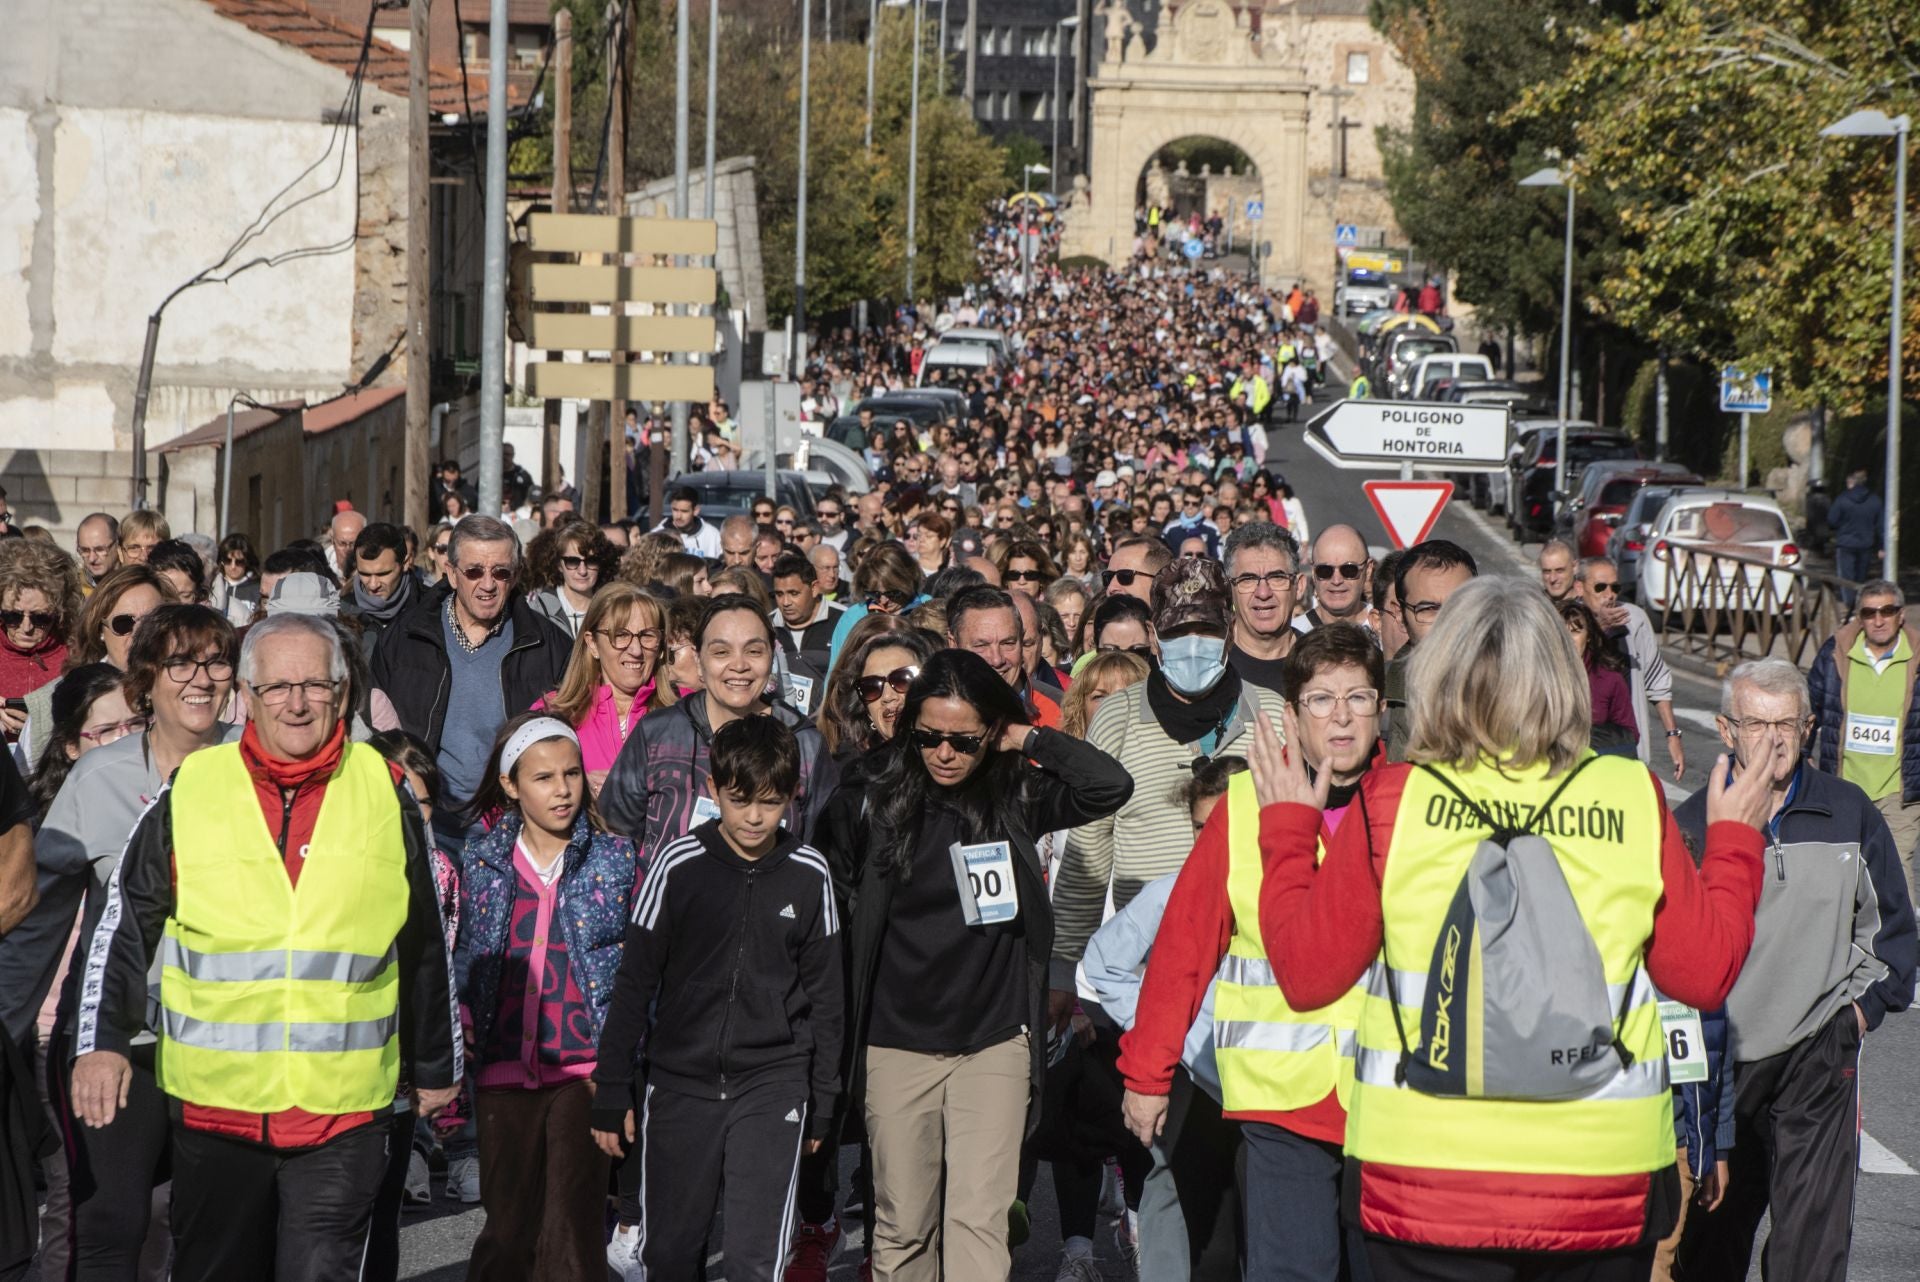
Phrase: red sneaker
(813, 1246)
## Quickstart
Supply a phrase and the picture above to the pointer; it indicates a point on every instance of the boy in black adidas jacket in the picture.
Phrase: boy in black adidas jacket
(733, 948)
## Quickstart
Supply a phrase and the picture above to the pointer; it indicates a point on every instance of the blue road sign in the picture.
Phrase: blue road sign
(1346, 234)
(1256, 210)
(1744, 393)
(1193, 248)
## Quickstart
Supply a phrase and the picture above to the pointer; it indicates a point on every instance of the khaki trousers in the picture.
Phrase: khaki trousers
(1663, 1253)
(946, 1132)
(1904, 820)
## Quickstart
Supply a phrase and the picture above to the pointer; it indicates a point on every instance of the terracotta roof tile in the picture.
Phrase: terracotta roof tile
(325, 40)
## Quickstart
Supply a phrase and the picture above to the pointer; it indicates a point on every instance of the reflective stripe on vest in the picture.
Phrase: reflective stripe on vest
(1272, 1058)
(1606, 832)
(275, 996)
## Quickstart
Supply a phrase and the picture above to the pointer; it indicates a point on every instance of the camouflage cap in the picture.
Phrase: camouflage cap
(1190, 590)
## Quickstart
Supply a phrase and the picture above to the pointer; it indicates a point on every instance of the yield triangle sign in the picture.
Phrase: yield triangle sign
(1408, 508)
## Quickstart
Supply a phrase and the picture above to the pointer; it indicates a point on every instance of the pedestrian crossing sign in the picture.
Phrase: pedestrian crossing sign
(1256, 210)
(1346, 235)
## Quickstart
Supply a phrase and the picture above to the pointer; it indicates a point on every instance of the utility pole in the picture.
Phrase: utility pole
(873, 42)
(913, 151)
(415, 464)
(561, 202)
(682, 126)
(972, 50)
(795, 356)
(618, 71)
(493, 313)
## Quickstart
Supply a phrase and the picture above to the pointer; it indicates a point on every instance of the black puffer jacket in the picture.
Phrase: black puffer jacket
(410, 664)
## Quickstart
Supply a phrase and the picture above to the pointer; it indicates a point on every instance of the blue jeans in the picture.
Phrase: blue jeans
(1292, 1206)
(1856, 565)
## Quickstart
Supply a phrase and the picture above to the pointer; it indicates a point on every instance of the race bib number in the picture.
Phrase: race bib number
(1686, 1045)
(800, 689)
(704, 808)
(1874, 736)
(983, 874)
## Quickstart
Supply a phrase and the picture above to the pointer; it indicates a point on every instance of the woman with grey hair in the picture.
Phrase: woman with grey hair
(1476, 1147)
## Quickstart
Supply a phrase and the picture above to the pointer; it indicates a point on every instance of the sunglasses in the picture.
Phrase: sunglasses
(1613, 588)
(1346, 570)
(123, 624)
(1865, 612)
(1024, 576)
(1124, 578)
(573, 562)
(1144, 651)
(871, 688)
(44, 620)
(440, 548)
(967, 745)
(898, 599)
(499, 573)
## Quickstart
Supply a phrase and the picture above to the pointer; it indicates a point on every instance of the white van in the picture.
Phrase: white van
(962, 359)
(1429, 370)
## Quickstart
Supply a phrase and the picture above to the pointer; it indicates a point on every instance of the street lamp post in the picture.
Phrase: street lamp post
(1876, 124)
(913, 150)
(1065, 24)
(1551, 177)
(873, 40)
(1026, 225)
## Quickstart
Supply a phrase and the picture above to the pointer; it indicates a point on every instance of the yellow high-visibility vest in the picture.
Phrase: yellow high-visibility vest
(274, 997)
(1272, 1058)
(1606, 831)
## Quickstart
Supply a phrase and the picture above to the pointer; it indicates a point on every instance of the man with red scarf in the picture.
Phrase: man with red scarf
(284, 883)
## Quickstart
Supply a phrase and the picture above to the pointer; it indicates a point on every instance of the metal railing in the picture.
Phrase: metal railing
(1727, 608)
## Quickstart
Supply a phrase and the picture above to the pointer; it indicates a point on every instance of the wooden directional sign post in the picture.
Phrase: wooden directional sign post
(1410, 436)
(644, 356)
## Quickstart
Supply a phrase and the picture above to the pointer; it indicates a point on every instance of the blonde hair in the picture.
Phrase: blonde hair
(612, 604)
(1130, 668)
(1498, 681)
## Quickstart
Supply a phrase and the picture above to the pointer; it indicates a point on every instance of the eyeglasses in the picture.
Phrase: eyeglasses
(827, 513)
(1754, 727)
(233, 559)
(1275, 581)
(1321, 703)
(1422, 610)
(572, 562)
(1024, 576)
(275, 693)
(1611, 588)
(967, 745)
(649, 638)
(1124, 578)
(118, 730)
(181, 669)
(1865, 612)
(43, 620)
(123, 624)
(783, 522)
(499, 573)
(871, 688)
(1346, 570)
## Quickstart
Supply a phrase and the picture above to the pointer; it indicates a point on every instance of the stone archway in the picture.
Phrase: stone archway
(1208, 73)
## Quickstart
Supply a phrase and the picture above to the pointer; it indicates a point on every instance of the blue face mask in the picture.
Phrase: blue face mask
(1193, 664)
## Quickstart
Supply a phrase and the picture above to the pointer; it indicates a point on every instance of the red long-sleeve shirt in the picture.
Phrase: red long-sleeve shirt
(1193, 937)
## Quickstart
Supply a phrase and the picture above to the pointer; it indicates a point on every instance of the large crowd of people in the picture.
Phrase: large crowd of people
(1062, 799)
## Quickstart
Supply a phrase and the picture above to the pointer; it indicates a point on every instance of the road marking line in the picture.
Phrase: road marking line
(1877, 1159)
(1698, 719)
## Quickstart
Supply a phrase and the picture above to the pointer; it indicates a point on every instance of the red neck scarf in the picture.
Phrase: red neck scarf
(292, 774)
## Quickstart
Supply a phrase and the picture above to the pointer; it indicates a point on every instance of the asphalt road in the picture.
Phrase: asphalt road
(435, 1243)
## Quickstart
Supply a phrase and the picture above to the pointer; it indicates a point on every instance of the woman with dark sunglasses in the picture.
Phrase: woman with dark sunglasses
(121, 599)
(236, 586)
(868, 687)
(941, 1008)
(40, 598)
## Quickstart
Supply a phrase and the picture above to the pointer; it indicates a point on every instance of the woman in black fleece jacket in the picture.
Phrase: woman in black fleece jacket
(947, 1020)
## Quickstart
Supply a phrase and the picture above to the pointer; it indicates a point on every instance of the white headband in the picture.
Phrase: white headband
(536, 731)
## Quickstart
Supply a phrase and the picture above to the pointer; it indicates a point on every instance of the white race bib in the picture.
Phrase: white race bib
(1875, 736)
(1686, 1044)
(800, 691)
(704, 808)
(983, 874)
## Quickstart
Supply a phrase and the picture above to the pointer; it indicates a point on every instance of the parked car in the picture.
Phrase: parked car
(994, 340)
(1629, 537)
(1678, 568)
(1605, 490)
(1402, 349)
(725, 494)
(1421, 376)
(917, 408)
(1531, 510)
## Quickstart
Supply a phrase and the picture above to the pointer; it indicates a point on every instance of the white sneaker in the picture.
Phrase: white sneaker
(623, 1252)
(419, 1189)
(1113, 1198)
(463, 1179)
(1077, 1268)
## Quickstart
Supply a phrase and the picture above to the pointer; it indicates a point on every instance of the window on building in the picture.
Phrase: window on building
(1037, 42)
(983, 106)
(1359, 67)
(1033, 106)
(528, 47)
(1004, 45)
